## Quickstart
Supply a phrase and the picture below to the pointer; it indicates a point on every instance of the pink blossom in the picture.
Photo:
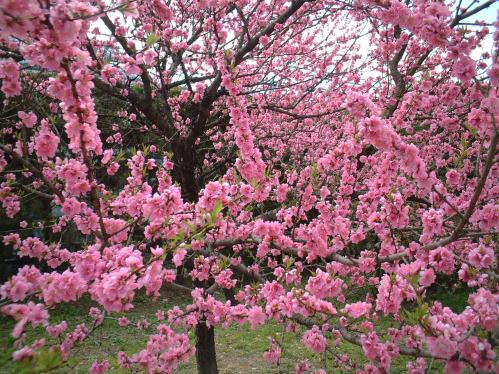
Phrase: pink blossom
(442, 259)
(478, 352)
(68, 286)
(115, 290)
(153, 278)
(160, 206)
(116, 229)
(281, 192)
(22, 354)
(329, 166)
(123, 321)
(46, 142)
(377, 132)
(224, 279)
(273, 355)
(453, 177)
(427, 277)
(314, 340)
(179, 256)
(417, 367)
(9, 73)
(464, 68)
(71, 207)
(112, 168)
(56, 330)
(442, 346)
(494, 74)
(28, 119)
(107, 156)
(371, 345)
(481, 256)
(454, 367)
(432, 223)
(256, 317)
(99, 367)
(213, 192)
(323, 285)
(358, 309)
(367, 261)
(486, 305)
(149, 56)
(392, 291)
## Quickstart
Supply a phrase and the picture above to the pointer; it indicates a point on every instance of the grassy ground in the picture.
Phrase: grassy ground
(239, 348)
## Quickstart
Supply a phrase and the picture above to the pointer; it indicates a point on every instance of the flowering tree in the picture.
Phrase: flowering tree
(275, 158)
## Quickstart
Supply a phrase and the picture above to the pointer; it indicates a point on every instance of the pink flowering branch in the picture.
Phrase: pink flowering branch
(355, 338)
(34, 170)
(270, 168)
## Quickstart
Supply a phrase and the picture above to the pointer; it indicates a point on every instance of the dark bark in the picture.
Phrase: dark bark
(187, 165)
(186, 169)
(206, 356)
(229, 295)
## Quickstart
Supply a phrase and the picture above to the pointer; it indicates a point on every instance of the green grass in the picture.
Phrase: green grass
(239, 348)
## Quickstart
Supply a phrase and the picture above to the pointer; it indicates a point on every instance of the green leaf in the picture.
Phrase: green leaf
(414, 280)
(48, 359)
(42, 361)
(255, 184)
(314, 175)
(471, 129)
(179, 237)
(120, 156)
(224, 264)
(216, 210)
(145, 150)
(409, 317)
(152, 39)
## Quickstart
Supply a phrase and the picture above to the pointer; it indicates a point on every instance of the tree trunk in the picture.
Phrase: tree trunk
(187, 165)
(229, 295)
(206, 356)
(185, 170)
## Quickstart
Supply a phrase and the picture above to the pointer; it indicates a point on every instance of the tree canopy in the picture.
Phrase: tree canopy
(313, 163)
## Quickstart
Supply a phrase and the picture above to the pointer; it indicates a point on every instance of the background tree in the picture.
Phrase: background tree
(278, 154)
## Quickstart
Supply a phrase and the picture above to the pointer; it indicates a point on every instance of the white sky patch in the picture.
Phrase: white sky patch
(488, 15)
